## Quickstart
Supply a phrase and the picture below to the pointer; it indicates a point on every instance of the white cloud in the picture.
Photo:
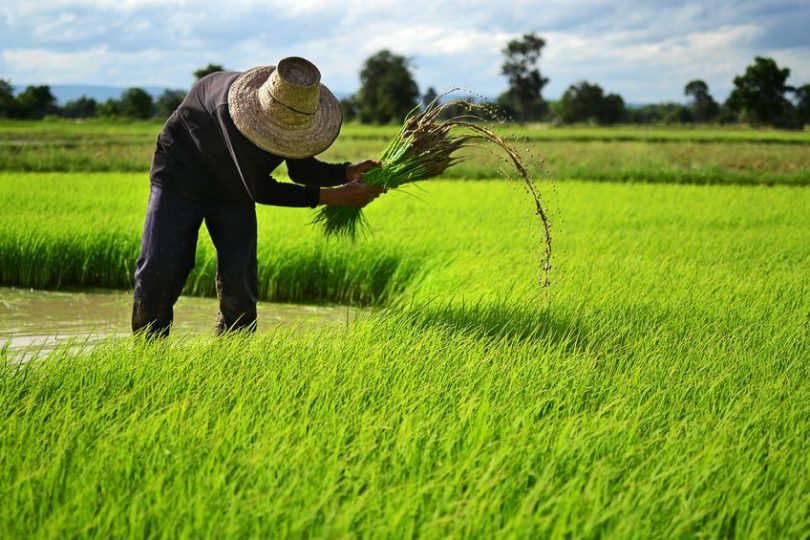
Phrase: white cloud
(660, 68)
(47, 66)
(643, 50)
(97, 65)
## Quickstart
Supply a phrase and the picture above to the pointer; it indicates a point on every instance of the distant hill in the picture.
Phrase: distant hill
(68, 92)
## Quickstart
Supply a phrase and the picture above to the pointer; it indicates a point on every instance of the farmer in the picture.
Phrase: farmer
(212, 163)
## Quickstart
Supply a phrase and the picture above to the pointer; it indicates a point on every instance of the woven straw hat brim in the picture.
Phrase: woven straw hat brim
(267, 128)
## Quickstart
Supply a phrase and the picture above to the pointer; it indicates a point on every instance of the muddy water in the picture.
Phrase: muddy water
(39, 320)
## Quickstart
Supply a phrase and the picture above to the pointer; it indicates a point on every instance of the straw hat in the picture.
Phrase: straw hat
(284, 109)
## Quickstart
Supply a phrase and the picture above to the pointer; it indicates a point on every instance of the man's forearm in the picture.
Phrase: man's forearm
(329, 197)
(354, 194)
(311, 172)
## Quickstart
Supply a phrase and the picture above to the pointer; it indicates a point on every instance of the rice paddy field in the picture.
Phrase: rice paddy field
(660, 388)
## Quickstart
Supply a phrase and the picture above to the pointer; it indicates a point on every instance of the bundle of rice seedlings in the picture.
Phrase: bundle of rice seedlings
(424, 148)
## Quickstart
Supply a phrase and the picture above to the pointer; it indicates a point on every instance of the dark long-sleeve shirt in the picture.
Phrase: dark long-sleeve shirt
(202, 156)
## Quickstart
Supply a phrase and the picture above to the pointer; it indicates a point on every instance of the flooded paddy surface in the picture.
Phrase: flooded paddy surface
(32, 320)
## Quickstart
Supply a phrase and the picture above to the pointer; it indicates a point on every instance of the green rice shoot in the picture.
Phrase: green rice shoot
(425, 147)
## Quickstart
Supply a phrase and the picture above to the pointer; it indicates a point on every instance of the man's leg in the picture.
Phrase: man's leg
(233, 231)
(168, 247)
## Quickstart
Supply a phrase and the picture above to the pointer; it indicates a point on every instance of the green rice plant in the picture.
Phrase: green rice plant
(470, 232)
(620, 154)
(424, 148)
(91, 238)
(491, 420)
(76, 129)
(659, 389)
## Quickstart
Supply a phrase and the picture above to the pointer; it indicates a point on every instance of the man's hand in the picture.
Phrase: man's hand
(354, 172)
(356, 194)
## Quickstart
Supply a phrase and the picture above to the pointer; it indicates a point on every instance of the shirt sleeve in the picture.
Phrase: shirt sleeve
(311, 172)
(270, 191)
(254, 171)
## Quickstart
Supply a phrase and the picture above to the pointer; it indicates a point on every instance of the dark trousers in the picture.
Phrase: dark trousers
(168, 249)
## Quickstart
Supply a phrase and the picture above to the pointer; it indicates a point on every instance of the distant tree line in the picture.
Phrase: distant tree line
(388, 91)
(36, 102)
(761, 95)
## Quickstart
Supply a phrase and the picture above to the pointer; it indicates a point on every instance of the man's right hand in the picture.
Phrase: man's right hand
(356, 194)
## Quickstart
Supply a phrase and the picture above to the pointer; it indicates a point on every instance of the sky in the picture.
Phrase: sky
(644, 50)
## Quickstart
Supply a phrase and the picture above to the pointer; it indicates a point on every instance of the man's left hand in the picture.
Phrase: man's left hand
(354, 172)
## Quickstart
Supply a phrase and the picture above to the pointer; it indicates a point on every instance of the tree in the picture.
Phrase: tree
(586, 102)
(679, 114)
(726, 115)
(349, 108)
(36, 102)
(511, 108)
(7, 104)
(802, 94)
(525, 81)
(429, 97)
(168, 102)
(136, 103)
(459, 108)
(109, 109)
(657, 113)
(704, 107)
(84, 107)
(207, 70)
(388, 91)
(507, 105)
(612, 109)
(759, 94)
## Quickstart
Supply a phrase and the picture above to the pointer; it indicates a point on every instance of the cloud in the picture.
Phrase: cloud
(643, 50)
(637, 66)
(96, 65)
